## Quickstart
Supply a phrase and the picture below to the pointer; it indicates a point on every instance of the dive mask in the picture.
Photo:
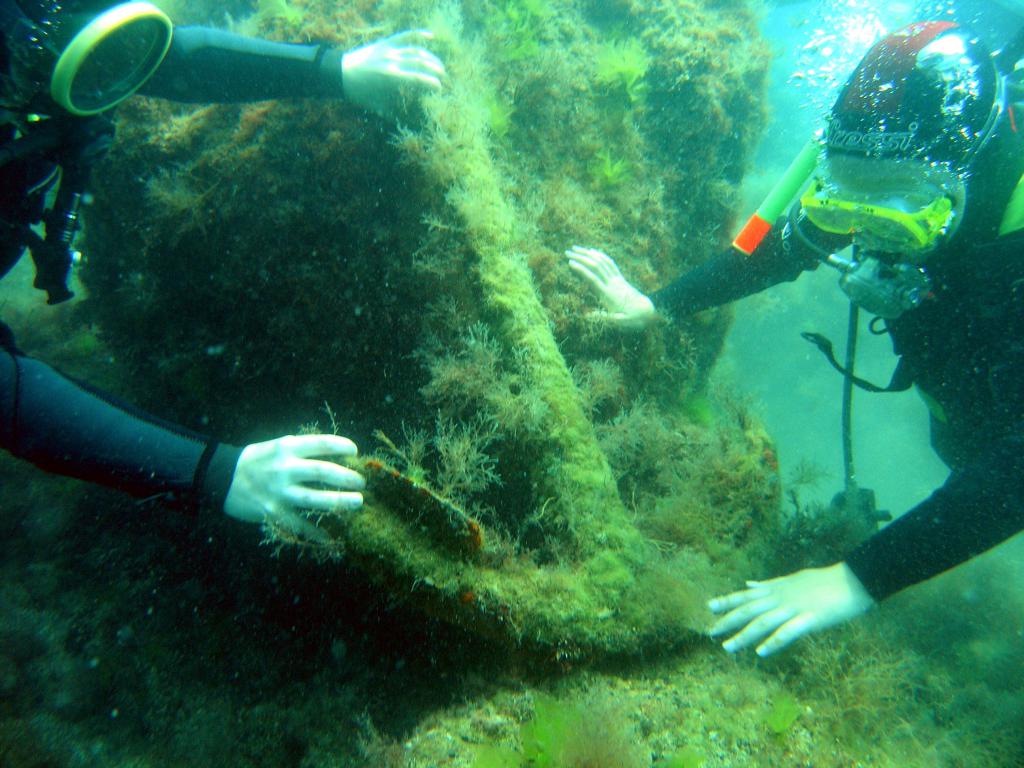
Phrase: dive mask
(894, 206)
(92, 63)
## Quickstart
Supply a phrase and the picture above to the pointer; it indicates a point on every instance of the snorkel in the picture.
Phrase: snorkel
(779, 198)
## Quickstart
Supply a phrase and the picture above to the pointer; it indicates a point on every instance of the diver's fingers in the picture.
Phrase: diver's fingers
(758, 628)
(587, 271)
(328, 473)
(793, 629)
(304, 446)
(302, 497)
(599, 261)
(420, 58)
(743, 615)
(735, 599)
(419, 78)
(409, 37)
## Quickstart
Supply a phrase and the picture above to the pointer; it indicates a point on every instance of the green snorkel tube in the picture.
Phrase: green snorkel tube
(778, 200)
(110, 58)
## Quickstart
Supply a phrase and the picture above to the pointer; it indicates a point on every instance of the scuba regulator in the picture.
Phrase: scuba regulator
(883, 289)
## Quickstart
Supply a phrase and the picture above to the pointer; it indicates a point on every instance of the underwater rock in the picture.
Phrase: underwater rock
(287, 255)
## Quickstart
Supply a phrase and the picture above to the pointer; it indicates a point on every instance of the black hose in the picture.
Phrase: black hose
(849, 474)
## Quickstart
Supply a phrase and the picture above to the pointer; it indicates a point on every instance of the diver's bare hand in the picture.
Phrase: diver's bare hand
(625, 306)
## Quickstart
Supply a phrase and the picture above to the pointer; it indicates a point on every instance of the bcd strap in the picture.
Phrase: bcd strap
(901, 380)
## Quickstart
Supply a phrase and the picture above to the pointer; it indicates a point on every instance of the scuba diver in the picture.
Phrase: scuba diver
(918, 200)
(63, 66)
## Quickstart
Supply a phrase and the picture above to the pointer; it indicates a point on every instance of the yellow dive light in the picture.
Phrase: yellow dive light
(110, 58)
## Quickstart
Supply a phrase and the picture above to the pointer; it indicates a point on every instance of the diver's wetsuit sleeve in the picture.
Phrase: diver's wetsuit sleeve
(65, 428)
(978, 507)
(783, 255)
(211, 65)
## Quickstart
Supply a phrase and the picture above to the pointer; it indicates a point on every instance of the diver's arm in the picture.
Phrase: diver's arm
(729, 276)
(62, 427)
(211, 65)
(208, 65)
(790, 248)
(977, 508)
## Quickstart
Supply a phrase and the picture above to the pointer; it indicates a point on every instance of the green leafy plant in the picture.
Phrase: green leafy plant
(784, 712)
(570, 734)
(622, 65)
(500, 115)
(609, 171)
(545, 735)
(518, 24)
(699, 409)
(497, 756)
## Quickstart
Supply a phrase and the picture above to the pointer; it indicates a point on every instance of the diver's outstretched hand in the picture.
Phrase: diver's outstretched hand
(789, 607)
(274, 482)
(374, 74)
(625, 306)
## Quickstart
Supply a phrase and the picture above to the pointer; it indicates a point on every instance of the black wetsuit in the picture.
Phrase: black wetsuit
(963, 348)
(64, 426)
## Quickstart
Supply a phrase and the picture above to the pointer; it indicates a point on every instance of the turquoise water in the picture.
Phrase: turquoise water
(798, 391)
(800, 398)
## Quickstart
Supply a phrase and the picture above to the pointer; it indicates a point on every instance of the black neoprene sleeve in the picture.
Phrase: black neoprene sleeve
(64, 427)
(733, 274)
(978, 507)
(980, 504)
(211, 65)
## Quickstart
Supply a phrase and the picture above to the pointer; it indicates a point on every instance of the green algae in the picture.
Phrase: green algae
(783, 714)
(609, 171)
(623, 64)
(570, 733)
(559, 440)
(278, 9)
(687, 757)
(697, 489)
